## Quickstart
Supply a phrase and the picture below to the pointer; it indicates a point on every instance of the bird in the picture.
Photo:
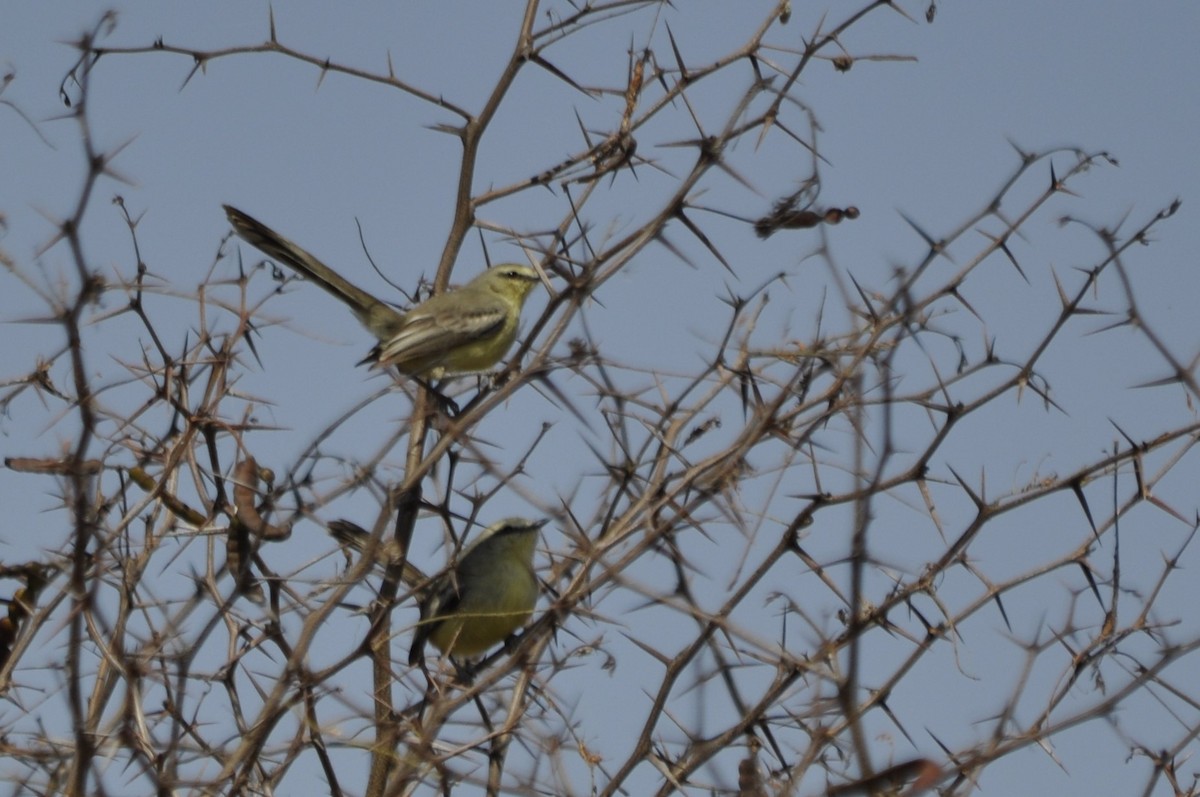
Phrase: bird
(480, 601)
(459, 331)
(487, 596)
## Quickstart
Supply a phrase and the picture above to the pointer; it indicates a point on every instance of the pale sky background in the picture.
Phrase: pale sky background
(927, 138)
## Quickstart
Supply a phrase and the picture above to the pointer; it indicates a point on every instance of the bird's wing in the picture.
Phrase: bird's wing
(443, 600)
(432, 332)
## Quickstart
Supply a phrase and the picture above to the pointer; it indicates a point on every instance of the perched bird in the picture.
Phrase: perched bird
(461, 330)
(488, 595)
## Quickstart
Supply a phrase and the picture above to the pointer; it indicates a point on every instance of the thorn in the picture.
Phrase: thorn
(866, 300)
(978, 500)
(1003, 613)
(1062, 293)
(1001, 242)
(683, 73)
(933, 245)
(1077, 488)
(1091, 580)
(1026, 157)
(1059, 186)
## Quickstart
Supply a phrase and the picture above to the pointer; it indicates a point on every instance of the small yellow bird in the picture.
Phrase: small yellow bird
(462, 330)
(489, 594)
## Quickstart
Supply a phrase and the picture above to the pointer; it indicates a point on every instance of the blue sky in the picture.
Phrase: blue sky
(927, 135)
